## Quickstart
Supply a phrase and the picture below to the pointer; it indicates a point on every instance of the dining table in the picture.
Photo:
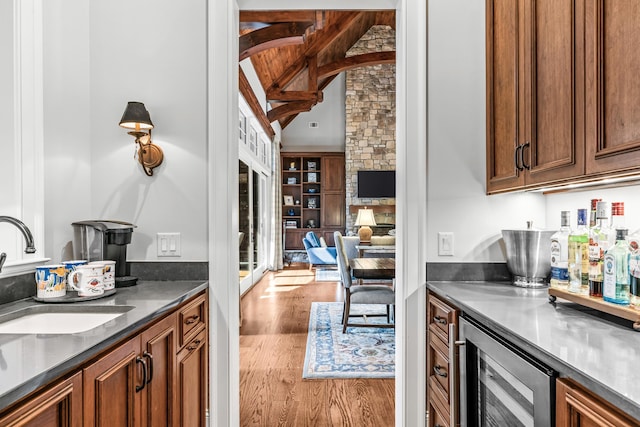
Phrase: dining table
(373, 268)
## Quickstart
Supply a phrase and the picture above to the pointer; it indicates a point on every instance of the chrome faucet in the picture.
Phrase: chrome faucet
(30, 248)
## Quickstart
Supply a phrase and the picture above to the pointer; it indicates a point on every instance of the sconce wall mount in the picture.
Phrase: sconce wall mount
(137, 118)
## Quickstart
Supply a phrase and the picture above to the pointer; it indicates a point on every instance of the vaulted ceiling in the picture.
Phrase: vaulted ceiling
(297, 54)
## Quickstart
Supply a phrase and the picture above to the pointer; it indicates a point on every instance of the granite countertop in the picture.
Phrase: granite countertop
(28, 361)
(597, 350)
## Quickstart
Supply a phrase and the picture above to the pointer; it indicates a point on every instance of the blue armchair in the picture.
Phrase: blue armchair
(318, 251)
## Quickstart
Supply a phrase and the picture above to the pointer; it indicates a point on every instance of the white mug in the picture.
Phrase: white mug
(109, 273)
(88, 280)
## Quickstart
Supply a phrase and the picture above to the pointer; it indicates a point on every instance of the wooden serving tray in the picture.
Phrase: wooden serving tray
(622, 311)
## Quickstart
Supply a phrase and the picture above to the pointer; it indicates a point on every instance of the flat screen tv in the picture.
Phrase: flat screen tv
(376, 184)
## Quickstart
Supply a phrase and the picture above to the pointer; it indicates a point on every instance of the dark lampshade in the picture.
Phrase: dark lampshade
(136, 117)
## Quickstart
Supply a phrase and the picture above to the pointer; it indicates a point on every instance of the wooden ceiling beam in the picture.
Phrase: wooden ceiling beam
(364, 60)
(289, 108)
(293, 95)
(275, 16)
(273, 36)
(289, 74)
(250, 96)
(323, 38)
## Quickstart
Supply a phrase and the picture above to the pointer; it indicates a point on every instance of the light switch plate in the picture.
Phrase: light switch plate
(169, 245)
(445, 243)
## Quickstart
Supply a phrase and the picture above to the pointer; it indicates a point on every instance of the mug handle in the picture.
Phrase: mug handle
(71, 280)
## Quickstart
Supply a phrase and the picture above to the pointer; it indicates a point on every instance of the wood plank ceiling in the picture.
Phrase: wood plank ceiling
(297, 54)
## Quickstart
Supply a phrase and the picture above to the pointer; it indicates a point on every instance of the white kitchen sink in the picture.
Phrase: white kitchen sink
(59, 319)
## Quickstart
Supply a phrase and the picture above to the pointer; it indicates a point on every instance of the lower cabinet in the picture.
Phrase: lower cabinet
(57, 405)
(193, 382)
(133, 385)
(442, 370)
(159, 377)
(578, 407)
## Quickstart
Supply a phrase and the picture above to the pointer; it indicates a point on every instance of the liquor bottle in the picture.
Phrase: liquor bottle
(617, 215)
(579, 256)
(601, 238)
(634, 273)
(592, 213)
(560, 254)
(616, 270)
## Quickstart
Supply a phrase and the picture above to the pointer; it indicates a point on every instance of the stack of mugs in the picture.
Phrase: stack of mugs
(87, 278)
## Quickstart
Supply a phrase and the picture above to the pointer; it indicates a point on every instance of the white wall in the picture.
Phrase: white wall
(330, 116)
(101, 54)
(456, 199)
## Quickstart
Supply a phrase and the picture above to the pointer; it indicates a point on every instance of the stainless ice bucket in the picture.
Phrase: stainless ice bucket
(528, 256)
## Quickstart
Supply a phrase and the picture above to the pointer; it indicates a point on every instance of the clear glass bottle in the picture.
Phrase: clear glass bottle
(579, 256)
(592, 213)
(634, 273)
(617, 216)
(601, 238)
(560, 253)
(616, 270)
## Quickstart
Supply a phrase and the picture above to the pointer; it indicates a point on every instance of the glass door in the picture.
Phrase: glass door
(253, 213)
(501, 385)
(244, 220)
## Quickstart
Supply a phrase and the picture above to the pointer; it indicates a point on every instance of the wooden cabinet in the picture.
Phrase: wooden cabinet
(58, 405)
(561, 92)
(193, 381)
(158, 377)
(193, 364)
(317, 182)
(612, 36)
(134, 385)
(578, 407)
(535, 92)
(442, 367)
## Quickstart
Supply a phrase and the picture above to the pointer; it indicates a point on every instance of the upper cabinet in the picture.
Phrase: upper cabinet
(534, 93)
(612, 35)
(561, 91)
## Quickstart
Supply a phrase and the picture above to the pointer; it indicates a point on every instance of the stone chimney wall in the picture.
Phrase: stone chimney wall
(370, 118)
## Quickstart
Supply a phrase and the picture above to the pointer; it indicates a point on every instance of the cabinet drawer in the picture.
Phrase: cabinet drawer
(439, 317)
(438, 369)
(191, 319)
(436, 418)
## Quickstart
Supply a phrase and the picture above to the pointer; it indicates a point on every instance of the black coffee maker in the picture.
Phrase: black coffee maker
(100, 240)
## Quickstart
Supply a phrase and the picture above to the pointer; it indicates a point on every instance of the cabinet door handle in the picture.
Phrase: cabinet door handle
(438, 370)
(150, 357)
(193, 345)
(453, 378)
(192, 319)
(524, 165)
(144, 373)
(440, 320)
(517, 157)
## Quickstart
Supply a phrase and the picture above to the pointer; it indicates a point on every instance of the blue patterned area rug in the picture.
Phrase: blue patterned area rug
(358, 353)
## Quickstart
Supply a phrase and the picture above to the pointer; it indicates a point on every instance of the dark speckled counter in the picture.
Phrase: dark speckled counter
(597, 350)
(28, 361)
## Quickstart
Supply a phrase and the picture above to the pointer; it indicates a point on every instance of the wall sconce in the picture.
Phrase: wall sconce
(364, 219)
(137, 117)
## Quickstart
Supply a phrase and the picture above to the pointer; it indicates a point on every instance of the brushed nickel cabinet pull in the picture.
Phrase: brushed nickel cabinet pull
(438, 370)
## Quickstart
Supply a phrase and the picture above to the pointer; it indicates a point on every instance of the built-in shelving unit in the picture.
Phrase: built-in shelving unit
(313, 196)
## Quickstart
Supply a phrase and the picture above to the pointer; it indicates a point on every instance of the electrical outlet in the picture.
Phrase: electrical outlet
(445, 243)
(169, 244)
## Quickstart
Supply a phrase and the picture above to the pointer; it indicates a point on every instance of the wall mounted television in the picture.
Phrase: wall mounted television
(376, 184)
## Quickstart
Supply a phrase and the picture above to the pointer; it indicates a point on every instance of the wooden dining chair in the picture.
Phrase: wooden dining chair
(361, 294)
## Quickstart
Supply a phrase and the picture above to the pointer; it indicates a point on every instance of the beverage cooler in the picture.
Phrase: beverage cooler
(501, 385)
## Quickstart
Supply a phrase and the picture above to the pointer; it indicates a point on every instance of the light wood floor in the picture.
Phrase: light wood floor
(273, 338)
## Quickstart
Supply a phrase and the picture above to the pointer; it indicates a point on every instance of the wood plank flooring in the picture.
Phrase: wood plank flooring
(273, 338)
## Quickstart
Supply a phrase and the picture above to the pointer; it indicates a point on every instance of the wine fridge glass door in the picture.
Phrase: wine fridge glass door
(502, 385)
